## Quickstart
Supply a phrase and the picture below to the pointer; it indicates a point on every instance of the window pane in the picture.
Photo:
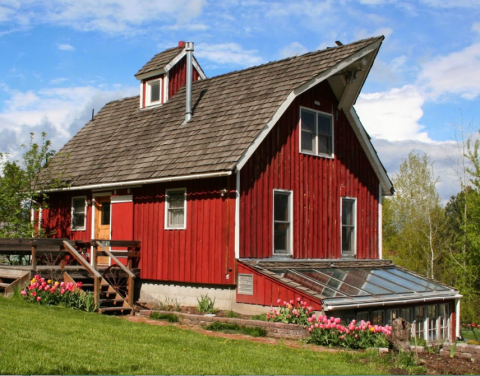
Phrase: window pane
(324, 125)
(78, 213)
(281, 207)
(308, 121)
(176, 217)
(281, 237)
(176, 208)
(347, 212)
(176, 200)
(324, 145)
(155, 91)
(308, 139)
(105, 213)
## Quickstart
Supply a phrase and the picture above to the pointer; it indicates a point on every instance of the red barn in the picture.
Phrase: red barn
(252, 186)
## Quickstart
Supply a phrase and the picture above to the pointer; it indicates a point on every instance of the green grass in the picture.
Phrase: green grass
(51, 340)
(235, 328)
(170, 317)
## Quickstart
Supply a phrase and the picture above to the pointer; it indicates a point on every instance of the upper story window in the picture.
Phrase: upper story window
(176, 208)
(282, 222)
(316, 132)
(348, 226)
(79, 213)
(153, 92)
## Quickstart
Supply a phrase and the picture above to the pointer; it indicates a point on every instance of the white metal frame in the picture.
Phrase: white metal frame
(288, 193)
(316, 152)
(354, 252)
(167, 205)
(84, 227)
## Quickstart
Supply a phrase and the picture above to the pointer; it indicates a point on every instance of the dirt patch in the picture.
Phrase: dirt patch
(440, 365)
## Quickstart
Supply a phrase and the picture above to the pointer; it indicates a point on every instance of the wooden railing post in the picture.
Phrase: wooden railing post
(130, 284)
(34, 258)
(96, 281)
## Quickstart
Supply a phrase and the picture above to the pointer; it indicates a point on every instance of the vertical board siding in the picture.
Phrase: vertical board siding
(177, 76)
(266, 291)
(201, 253)
(57, 219)
(317, 183)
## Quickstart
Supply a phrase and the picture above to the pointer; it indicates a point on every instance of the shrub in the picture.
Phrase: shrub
(330, 332)
(260, 317)
(170, 317)
(68, 294)
(206, 304)
(232, 314)
(289, 314)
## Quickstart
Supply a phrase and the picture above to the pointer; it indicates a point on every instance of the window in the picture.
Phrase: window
(175, 208)
(316, 132)
(282, 218)
(420, 322)
(105, 219)
(432, 322)
(444, 315)
(153, 92)
(348, 227)
(377, 317)
(78, 213)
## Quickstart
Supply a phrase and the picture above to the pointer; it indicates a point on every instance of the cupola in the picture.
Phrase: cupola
(165, 74)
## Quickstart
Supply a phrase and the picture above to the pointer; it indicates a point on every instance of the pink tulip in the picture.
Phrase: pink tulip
(38, 298)
(342, 337)
(337, 321)
(37, 276)
(356, 335)
(279, 301)
(62, 284)
(34, 293)
(298, 299)
(291, 302)
(23, 292)
(62, 291)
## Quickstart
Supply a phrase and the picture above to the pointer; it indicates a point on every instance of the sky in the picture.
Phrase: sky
(59, 59)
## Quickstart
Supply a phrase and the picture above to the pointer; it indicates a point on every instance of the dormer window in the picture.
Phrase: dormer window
(153, 92)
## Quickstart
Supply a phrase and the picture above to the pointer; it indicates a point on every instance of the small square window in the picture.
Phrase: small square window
(153, 92)
(78, 213)
(175, 209)
(316, 129)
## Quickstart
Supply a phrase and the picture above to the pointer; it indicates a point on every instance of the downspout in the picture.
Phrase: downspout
(189, 78)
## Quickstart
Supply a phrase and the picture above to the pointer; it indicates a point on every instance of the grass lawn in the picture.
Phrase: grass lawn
(52, 340)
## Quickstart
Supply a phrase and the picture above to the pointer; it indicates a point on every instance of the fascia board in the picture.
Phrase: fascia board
(296, 92)
(152, 73)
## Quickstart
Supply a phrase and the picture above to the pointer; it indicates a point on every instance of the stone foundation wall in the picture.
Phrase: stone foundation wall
(274, 329)
(462, 350)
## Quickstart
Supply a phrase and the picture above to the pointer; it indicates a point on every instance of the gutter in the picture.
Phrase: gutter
(389, 303)
(141, 182)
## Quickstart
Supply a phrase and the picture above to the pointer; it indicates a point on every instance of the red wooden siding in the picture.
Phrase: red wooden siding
(266, 290)
(201, 253)
(177, 77)
(56, 220)
(317, 184)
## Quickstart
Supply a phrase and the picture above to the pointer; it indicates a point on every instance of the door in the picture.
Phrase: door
(102, 223)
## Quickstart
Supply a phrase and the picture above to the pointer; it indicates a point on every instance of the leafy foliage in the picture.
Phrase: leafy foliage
(206, 304)
(23, 187)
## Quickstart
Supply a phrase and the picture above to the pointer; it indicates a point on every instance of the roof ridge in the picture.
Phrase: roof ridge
(295, 57)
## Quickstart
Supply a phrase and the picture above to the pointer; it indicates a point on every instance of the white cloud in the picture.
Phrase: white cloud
(65, 47)
(393, 115)
(452, 4)
(61, 112)
(476, 27)
(457, 73)
(292, 49)
(228, 54)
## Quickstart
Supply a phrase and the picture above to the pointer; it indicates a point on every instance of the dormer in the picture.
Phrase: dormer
(165, 74)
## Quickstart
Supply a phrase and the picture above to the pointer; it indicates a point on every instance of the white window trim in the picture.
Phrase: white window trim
(84, 227)
(354, 253)
(167, 227)
(290, 218)
(148, 101)
(316, 153)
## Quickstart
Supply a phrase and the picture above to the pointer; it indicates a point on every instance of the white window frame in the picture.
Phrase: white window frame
(316, 152)
(354, 252)
(84, 227)
(148, 100)
(290, 221)
(167, 207)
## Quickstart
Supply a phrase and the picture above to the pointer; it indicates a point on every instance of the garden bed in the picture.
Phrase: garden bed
(273, 329)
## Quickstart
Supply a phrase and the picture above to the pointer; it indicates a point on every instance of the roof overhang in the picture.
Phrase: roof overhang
(347, 100)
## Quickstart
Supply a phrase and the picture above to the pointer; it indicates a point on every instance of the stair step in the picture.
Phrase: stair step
(115, 300)
(114, 309)
(4, 284)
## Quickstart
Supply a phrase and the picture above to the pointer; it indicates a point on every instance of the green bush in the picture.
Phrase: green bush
(206, 304)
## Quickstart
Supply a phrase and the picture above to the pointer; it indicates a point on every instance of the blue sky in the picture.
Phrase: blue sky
(61, 58)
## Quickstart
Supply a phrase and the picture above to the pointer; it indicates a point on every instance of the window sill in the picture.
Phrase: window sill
(328, 156)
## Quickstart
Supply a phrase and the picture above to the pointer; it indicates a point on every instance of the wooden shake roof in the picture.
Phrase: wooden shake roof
(160, 60)
(124, 143)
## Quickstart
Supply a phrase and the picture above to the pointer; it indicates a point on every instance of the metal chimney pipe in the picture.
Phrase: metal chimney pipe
(188, 101)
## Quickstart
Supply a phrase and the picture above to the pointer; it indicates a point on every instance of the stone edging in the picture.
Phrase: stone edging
(274, 329)
(462, 350)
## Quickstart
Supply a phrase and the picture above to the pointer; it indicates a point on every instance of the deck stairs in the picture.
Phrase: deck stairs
(12, 278)
(112, 298)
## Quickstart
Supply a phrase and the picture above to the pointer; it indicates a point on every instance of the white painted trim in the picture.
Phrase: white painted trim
(175, 60)
(84, 227)
(316, 153)
(125, 184)
(290, 219)
(153, 73)
(119, 199)
(355, 215)
(380, 222)
(199, 69)
(40, 217)
(237, 216)
(166, 81)
(457, 318)
(148, 99)
(141, 94)
(369, 151)
(166, 226)
(356, 124)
